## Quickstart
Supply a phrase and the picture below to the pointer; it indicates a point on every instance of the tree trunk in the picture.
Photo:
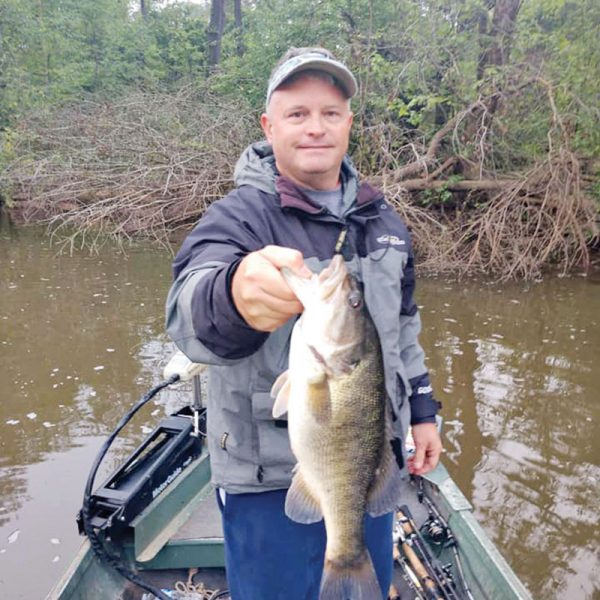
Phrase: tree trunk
(496, 44)
(215, 33)
(482, 25)
(144, 8)
(239, 27)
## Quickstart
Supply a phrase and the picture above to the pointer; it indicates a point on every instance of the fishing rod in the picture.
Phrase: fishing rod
(436, 579)
(440, 532)
(417, 575)
(409, 575)
(420, 576)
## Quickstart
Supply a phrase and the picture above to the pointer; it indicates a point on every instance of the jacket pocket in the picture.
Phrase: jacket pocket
(273, 440)
(233, 435)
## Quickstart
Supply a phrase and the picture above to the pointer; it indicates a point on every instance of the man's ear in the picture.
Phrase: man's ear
(266, 126)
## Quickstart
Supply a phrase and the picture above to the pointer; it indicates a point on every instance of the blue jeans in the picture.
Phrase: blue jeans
(271, 557)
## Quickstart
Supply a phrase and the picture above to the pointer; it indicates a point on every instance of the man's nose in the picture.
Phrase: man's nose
(315, 125)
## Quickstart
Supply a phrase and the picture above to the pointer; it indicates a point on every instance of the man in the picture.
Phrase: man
(297, 201)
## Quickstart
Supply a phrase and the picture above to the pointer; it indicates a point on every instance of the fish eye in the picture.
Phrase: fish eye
(355, 299)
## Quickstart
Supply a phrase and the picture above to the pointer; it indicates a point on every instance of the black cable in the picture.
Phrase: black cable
(95, 541)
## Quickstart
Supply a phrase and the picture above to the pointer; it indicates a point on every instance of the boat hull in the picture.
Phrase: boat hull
(181, 530)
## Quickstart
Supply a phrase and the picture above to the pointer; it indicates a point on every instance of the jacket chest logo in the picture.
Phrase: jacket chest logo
(390, 240)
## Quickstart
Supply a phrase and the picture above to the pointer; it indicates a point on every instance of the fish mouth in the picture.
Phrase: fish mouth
(332, 276)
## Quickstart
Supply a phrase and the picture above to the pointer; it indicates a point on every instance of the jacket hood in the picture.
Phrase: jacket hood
(256, 167)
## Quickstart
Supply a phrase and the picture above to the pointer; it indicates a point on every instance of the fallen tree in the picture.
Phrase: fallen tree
(149, 165)
(508, 223)
(144, 166)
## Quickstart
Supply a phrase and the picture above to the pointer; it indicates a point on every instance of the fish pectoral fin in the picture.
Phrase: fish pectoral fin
(300, 503)
(281, 392)
(386, 489)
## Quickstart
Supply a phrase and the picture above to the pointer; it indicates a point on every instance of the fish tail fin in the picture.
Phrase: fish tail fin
(357, 581)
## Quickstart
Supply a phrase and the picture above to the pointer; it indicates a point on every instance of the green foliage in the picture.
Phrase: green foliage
(53, 51)
(416, 109)
(270, 29)
(440, 197)
(416, 61)
(561, 38)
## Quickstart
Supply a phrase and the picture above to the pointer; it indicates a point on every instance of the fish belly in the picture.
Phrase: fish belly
(338, 451)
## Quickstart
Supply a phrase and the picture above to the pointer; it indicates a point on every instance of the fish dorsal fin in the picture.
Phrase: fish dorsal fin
(281, 392)
(300, 504)
(387, 487)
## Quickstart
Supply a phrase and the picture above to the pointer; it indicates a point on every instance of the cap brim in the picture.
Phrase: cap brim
(336, 69)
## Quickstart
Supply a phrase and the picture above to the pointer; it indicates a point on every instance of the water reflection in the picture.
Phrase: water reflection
(514, 366)
(81, 339)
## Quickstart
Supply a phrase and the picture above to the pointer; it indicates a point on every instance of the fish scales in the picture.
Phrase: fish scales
(346, 454)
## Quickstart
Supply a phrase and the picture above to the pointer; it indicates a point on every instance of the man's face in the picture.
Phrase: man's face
(308, 124)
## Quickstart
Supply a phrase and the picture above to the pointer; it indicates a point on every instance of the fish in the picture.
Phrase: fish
(339, 425)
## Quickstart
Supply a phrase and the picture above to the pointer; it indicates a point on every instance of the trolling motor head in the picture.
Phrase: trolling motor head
(157, 462)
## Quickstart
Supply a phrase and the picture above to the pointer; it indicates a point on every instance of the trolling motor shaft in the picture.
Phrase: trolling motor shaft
(187, 370)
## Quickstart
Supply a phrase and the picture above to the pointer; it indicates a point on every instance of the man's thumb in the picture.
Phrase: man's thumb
(419, 457)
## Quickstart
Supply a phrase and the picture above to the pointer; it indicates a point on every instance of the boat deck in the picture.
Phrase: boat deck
(204, 526)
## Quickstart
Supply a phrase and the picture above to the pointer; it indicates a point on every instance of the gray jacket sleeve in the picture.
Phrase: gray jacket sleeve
(201, 317)
(422, 404)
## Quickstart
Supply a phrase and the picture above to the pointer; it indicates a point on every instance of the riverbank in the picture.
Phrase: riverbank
(147, 166)
(435, 248)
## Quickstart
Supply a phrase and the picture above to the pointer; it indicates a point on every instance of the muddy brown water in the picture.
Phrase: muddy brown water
(516, 367)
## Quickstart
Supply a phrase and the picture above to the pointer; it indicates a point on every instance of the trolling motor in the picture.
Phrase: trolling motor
(161, 458)
(157, 462)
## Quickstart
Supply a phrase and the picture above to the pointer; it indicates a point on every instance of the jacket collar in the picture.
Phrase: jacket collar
(292, 196)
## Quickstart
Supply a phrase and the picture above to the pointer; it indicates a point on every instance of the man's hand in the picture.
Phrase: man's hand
(260, 292)
(428, 447)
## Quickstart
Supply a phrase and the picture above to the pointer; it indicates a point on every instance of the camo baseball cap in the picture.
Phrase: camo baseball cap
(302, 59)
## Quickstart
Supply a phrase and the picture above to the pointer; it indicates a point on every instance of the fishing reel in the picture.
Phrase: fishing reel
(435, 531)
